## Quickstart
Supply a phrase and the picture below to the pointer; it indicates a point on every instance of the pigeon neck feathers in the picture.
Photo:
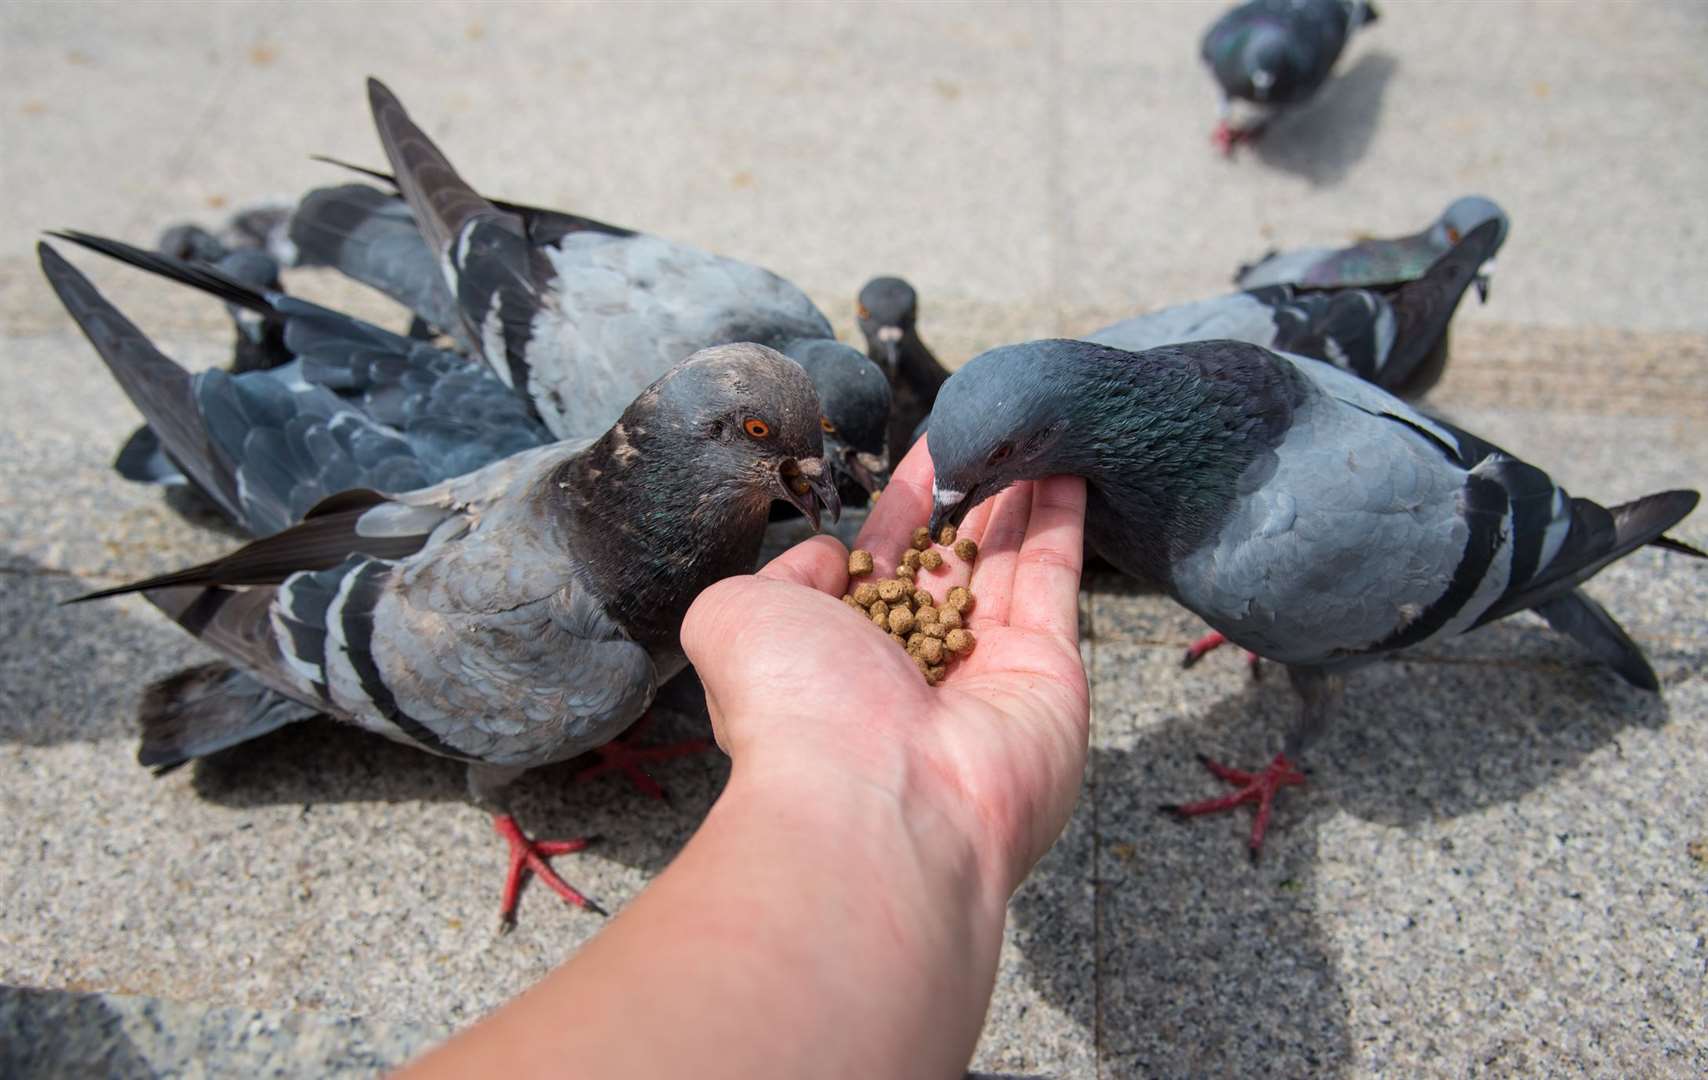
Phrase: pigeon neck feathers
(654, 530)
(1167, 438)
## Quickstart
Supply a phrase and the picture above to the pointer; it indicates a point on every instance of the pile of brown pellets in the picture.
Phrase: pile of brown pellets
(933, 635)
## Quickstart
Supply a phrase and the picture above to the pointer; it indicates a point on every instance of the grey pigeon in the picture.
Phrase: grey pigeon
(1382, 264)
(400, 414)
(575, 314)
(888, 313)
(1395, 338)
(519, 615)
(257, 346)
(1307, 515)
(1275, 54)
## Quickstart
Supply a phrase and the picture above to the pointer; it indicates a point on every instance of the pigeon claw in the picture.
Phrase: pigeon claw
(1226, 136)
(1250, 787)
(530, 855)
(1196, 651)
(1210, 643)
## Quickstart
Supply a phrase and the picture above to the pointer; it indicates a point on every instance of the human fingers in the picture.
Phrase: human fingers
(999, 550)
(820, 563)
(1046, 574)
(906, 504)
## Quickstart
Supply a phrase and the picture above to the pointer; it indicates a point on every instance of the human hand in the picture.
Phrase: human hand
(805, 693)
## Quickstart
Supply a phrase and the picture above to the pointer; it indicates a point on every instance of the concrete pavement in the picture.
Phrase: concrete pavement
(1497, 868)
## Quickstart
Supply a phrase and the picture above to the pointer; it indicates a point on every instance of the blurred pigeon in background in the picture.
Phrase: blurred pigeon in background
(519, 615)
(1275, 54)
(1383, 264)
(574, 314)
(888, 313)
(1307, 515)
(1396, 339)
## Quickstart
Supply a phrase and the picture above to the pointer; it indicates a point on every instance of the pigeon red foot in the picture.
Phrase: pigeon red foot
(1226, 136)
(1259, 787)
(1212, 641)
(621, 755)
(528, 854)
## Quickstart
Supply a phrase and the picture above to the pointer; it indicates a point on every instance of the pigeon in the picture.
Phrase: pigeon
(518, 615)
(1383, 264)
(403, 414)
(257, 346)
(575, 314)
(1395, 339)
(888, 311)
(1275, 54)
(1307, 515)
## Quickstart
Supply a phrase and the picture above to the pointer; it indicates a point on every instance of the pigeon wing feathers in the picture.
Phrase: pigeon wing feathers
(544, 226)
(1423, 308)
(1346, 535)
(161, 389)
(372, 237)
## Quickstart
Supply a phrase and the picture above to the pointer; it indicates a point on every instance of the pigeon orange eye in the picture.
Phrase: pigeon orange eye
(756, 427)
(1452, 235)
(863, 313)
(829, 428)
(1000, 454)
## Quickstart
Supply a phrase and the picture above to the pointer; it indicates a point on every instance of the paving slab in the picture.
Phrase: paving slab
(1491, 871)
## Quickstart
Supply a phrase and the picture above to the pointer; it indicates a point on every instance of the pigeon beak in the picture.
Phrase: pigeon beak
(870, 471)
(1484, 280)
(809, 488)
(949, 507)
(890, 338)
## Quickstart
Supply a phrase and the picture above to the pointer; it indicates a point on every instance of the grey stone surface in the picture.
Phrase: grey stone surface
(1492, 871)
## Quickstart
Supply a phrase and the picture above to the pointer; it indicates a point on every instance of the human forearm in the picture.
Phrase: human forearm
(856, 935)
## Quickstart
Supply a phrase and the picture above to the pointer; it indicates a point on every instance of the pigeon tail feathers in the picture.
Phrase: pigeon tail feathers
(208, 708)
(1588, 623)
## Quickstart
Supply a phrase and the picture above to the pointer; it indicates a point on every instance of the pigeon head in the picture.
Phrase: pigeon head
(1263, 62)
(1169, 430)
(191, 243)
(887, 308)
(1003, 417)
(1459, 220)
(737, 423)
(854, 400)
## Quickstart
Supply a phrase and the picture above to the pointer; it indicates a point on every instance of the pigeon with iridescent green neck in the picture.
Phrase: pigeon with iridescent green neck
(1305, 514)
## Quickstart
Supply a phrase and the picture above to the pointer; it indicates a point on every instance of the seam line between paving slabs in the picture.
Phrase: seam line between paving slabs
(1095, 792)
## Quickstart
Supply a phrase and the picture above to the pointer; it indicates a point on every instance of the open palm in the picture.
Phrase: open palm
(799, 682)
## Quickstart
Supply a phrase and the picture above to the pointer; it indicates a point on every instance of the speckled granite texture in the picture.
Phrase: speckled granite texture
(1500, 866)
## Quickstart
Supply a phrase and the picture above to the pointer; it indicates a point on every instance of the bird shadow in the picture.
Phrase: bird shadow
(1323, 139)
(47, 1033)
(73, 673)
(69, 673)
(1208, 963)
(323, 762)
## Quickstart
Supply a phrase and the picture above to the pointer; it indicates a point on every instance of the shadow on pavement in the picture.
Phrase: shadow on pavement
(1323, 139)
(1210, 964)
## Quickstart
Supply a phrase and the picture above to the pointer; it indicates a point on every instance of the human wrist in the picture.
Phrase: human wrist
(879, 809)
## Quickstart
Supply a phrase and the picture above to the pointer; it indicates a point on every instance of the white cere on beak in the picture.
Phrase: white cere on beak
(889, 335)
(943, 496)
(1486, 270)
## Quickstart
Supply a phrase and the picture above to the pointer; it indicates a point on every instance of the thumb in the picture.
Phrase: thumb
(820, 563)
